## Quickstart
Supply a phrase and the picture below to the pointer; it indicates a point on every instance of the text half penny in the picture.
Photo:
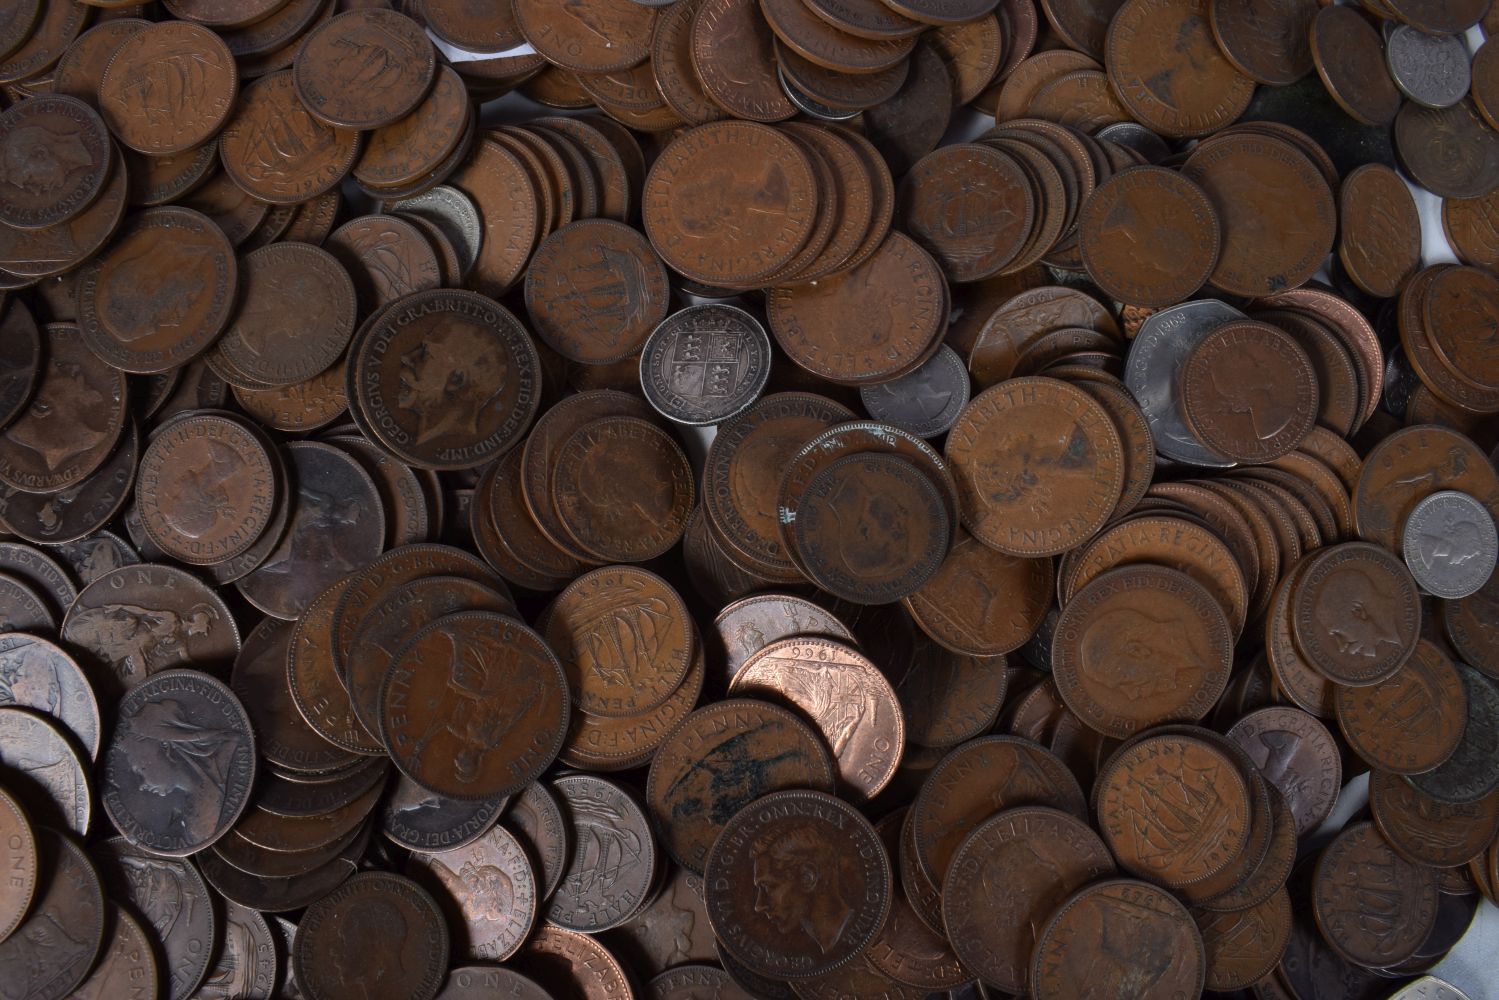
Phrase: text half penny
(364, 69)
(1249, 392)
(1356, 613)
(822, 885)
(1139, 646)
(1244, 946)
(1069, 450)
(277, 152)
(169, 88)
(602, 811)
(1411, 722)
(414, 146)
(1149, 236)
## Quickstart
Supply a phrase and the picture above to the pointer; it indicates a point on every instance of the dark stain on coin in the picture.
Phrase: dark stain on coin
(376, 932)
(1472, 771)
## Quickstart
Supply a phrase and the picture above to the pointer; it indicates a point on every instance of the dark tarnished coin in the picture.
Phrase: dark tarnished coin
(1243, 947)
(1472, 771)
(246, 962)
(58, 158)
(426, 822)
(126, 962)
(483, 982)
(91, 557)
(1411, 722)
(724, 757)
(625, 640)
(19, 855)
(64, 518)
(168, 88)
(1356, 613)
(22, 608)
(375, 935)
(971, 207)
(21, 359)
(1149, 236)
(1249, 392)
(608, 826)
(413, 147)
(39, 765)
(72, 422)
(1349, 57)
(364, 69)
(324, 702)
(821, 885)
(1269, 43)
(36, 674)
(387, 257)
(446, 379)
(1449, 151)
(623, 489)
(1117, 935)
(283, 737)
(673, 929)
(1471, 625)
(925, 402)
(1426, 831)
(1379, 236)
(53, 949)
(1168, 71)
(337, 526)
(40, 571)
(1373, 907)
(278, 152)
(1296, 754)
(474, 706)
(705, 364)
(489, 891)
(162, 292)
(178, 769)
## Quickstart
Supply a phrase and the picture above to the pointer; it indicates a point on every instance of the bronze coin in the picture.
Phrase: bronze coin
(1410, 465)
(906, 950)
(1410, 723)
(44, 769)
(168, 88)
(733, 52)
(536, 819)
(950, 697)
(823, 679)
(622, 742)
(605, 817)
(1189, 796)
(910, 125)
(387, 257)
(53, 949)
(36, 569)
(1372, 906)
(337, 525)
(298, 408)
(488, 892)
(671, 63)
(1249, 179)
(418, 144)
(822, 885)
(1244, 946)
(1379, 241)
(18, 851)
(624, 638)
(1149, 236)
(1453, 298)
(981, 602)
(165, 723)
(538, 562)
(22, 608)
(40, 253)
(227, 205)
(1470, 226)
(1356, 613)
(377, 932)
(1469, 624)
(813, 38)
(593, 36)
(566, 963)
(447, 379)
(723, 758)
(730, 203)
(1168, 71)
(39, 40)
(313, 682)
(161, 294)
(1115, 677)
(1426, 831)
(971, 206)
(20, 359)
(277, 152)
(65, 148)
(487, 719)
(1069, 452)
(473, 27)
(1472, 772)
(1268, 43)
(1296, 754)
(618, 190)
(79, 510)
(866, 18)
(688, 981)
(172, 899)
(478, 982)
(594, 290)
(156, 180)
(1234, 406)
(1118, 933)
(283, 737)
(1349, 57)
(1449, 151)
(125, 963)
(17, 26)
(364, 69)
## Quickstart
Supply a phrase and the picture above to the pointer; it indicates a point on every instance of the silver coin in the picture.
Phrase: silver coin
(453, 212)
(925, 402)
(705, 364)
(1433, 70)
(39, 675)
(1450, 544)
(1153, 374)
(814, 108)
(1429, 988)
(1133, 135)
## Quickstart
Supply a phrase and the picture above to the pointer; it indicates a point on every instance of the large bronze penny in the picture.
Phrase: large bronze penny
(18, 852)
(1168, 71)
(364, 69)
(1411, 722)
(1006, 880)
(1296, 754)
(60, 158)
(162, 292)
(730, 203)
(488, 891)
(821, 880)
(447, 379)
(169, 88)
(22, 608)
(1115, 935)
(42, 253)
(591, 36)
(178, 770)
(1356, 613)
(1426, 831)
(982, 602)
(54, 948)
(1149, 236)
(277, 152)
(43, 768)
(1039, 466)
(1410, 465)
(1379, 239)
(1373, 907)
(126, 962)
(733, 52)
(1349, 57)
(375, 935)
(1249, 392)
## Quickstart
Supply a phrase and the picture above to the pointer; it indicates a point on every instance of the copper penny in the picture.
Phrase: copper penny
(227, 205)
(822, 885)
(364, 69)
(1233, 403)
(593, 36)
(1356, 613)
(815, 39)
(168, 88)
(971, 206)
(487, 891)
(511, 213)
(416, 145)
(387, 258)
(1168, 71)
(906, 949)
(687, 981)
(824, 679)
(1266, 42)
(17, 26)
(1410, 723)
(1373, 907)
(1244, 946)
(62, 158)
(1471, 625)
(300, 407)
(277, 152)
(72, 421)
(544, 565)
(733, 51)
(40, 253)
(126, 962)
(1255, 885)
(1471, 225)
(1174, 809)
(624, 638)
(314, 684)
(18, 850)
(1149, 236)
(51, 952)
(377, 931)
(1118, 933)
(39, 39)
(1379, 241)
(730, 203)
(982, 602)
(1455, 300)
(1046, 482)
(623, 742)
(1410, 465)
(1296, 754)
(1449, 151)
(1426, 831)
(1471, 772)
(565, 962)
(474, 27)
(1349, 57)
(161, 294)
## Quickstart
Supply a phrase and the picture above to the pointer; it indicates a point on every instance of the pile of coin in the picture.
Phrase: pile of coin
(693, 528)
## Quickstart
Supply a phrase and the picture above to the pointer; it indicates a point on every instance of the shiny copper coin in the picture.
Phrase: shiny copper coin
(564, 962)
(162, 292)
(1373, 907)
(474, 706)
(488, 892)
(1356, 613)
(1039, 466)
(822, 884)
(18, 851)
(1411, 722)
(169, 88)
(1249, 392)
(1149, 236)
(62, 157)
(1379, 242)
(54, 948)
(1296, 754)
(364, 69)
(1349, 57)
(1426, 831)
(277, 152)
(623, 742)
(375, 931)
(1167, 69)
